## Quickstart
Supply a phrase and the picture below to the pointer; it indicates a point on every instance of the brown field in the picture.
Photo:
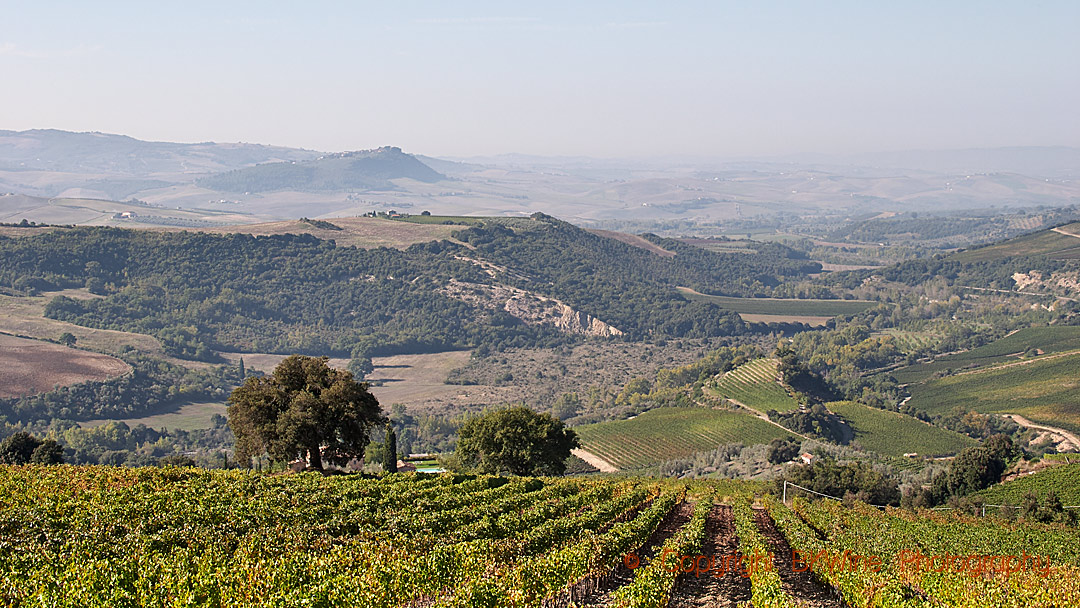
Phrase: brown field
(13, 232)
(266, 363)
(32, 366)
(826, 266)
(636, 241)
(809, 320)
(22, 316)
(189, 417)
(366, 232)
(412, 380)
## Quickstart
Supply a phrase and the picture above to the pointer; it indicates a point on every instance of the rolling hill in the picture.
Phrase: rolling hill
(363, 170)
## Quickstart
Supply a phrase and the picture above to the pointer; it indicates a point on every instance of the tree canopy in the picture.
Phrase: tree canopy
(515, 440)
(305, 409)
(22, 447)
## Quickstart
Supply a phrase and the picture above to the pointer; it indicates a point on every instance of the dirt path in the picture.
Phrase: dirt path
(1061, 231)
(801, 586)
(764, 417)
(601, 595)
(709, 591)
(594, 460)
(1013, 292)
(1024, 422)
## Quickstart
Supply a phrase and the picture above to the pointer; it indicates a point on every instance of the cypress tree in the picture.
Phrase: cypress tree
(390, 450)
(243, 372)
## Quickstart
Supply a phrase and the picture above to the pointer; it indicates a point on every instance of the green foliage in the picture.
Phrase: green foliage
(18, 448)
(48, 452)
(816, 421)
(67, 339)
(857, 479)
(176, 460)
(117, 443)
(303, 408)
(781, 451)
(1044, 242)
(515, 440)
(654, 582)
(904, 543)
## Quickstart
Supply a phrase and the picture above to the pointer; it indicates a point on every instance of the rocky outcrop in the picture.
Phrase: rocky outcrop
(1058, 282)
(530, 308)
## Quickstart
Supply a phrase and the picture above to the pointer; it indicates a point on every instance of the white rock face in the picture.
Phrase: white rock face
(530, 308)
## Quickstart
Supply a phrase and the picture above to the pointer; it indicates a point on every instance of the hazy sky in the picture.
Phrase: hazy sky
(721, 79)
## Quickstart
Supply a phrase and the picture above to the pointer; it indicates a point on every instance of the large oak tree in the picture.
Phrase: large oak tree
(305, 409)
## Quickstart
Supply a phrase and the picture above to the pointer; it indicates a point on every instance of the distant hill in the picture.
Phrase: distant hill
(104, 153)
(367, 169)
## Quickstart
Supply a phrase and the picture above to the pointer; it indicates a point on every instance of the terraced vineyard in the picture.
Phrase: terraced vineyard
(910, 341)
(667, 433)
(1063, 480)
(1045, 390)
(101, 536)
(896, 434)
(1048, 340)
(754, 385)
(1045, 242)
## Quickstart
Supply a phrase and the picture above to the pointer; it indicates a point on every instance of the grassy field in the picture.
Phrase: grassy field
(1045, 390)
(895, 434)
(754, 384)
(672, 432)
(809, 320)
(1049, 340)
(1045, 242)
(22, 316)
(1064, 479)
(188, 417)
(788, 307)
(441, 219)
(34, 366)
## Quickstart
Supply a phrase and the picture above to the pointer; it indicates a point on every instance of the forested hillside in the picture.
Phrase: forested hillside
(200, 293)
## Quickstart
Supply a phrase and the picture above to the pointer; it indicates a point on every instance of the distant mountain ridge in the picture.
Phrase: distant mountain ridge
(104, 153)
(362, 169)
